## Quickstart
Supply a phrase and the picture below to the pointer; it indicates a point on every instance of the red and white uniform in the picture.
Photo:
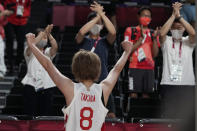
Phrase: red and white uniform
(86, 111)
(146, 46)
(14, 19)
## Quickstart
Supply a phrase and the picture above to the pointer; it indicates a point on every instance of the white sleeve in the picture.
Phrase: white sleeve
(47, 53)
(27, 58)
(164, 44)
(186, 41)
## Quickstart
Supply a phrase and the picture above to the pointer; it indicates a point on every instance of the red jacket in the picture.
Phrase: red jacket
(11, 5)
(3, 21)
(148, 63)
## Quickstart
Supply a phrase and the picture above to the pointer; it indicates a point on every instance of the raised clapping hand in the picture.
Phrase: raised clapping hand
(176, 9)
(30, 39)
(157, 32)
(127, 46)
(141, 31)
(97, 8)
(7, 12)
(48, 29)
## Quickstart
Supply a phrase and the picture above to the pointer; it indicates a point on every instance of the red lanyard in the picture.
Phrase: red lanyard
(180, 47)
(95, 44)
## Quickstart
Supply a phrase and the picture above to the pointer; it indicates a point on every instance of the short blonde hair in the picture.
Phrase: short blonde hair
(86, 65)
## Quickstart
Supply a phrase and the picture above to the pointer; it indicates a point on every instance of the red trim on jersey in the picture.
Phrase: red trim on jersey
(66, 119)
(3, 21)
(103, 127)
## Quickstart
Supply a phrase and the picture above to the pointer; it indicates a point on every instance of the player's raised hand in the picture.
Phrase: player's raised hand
(127, 46)
(30, 39)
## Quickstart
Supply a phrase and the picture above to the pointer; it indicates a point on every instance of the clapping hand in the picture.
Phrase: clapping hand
(97, 8)
(176, 9)
(30, 39)
(127, 46)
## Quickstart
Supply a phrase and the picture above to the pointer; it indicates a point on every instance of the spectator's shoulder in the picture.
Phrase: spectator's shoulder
(187, 41)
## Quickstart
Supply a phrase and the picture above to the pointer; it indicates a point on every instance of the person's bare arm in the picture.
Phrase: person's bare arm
(111, 36)
(54, 46)
(190, 30)
(37, 39)
(108, 24)
(63, 83)
(165, 28)
(6, 13)
(109, 83)
(155, 48)
(85, 29)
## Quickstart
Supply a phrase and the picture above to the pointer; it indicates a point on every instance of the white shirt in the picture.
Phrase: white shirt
(36, 75)
(86, 109)
(171, 57)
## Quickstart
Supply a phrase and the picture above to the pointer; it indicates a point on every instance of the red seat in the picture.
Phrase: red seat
(127, 16)
(130, 127)
(14, 125)
(63, 16)
(47, 126)
(114, 127)
(154, 127)
(81, 14)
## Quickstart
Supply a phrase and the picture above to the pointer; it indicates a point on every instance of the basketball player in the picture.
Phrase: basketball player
(85, 111)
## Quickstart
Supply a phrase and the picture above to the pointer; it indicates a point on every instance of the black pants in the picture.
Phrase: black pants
(141, 80)
(111, 104)
(37, 103)
(178, 102)
(11, 31)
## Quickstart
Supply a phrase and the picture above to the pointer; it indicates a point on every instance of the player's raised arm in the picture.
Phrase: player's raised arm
(63, 83)
(109, 83)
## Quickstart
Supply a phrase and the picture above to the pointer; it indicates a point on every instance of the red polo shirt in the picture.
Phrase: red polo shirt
(148, 63)
(14, 19)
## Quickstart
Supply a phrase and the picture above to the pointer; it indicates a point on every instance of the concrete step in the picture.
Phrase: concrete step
(6, 85)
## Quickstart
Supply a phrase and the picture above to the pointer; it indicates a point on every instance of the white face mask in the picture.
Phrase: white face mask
(41, 44)
(95, 30)
(177, 34)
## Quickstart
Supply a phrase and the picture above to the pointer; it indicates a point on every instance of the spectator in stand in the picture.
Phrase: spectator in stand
(178, 81)
(188, 11)
(3, 20)
(145, 48)
(93, 42)
(37, 83)
(16, 26)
